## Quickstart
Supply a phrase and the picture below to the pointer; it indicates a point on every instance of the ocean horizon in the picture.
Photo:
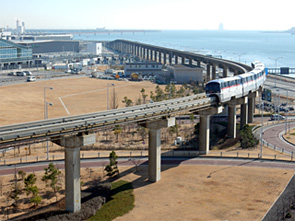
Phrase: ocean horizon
(274, 49)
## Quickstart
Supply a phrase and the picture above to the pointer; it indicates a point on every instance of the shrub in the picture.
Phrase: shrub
(247, 139)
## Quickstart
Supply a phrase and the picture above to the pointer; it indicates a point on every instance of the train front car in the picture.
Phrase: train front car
(225, 89)
(213, 89)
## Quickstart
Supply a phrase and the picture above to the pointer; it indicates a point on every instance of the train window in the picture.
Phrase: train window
(213, 88)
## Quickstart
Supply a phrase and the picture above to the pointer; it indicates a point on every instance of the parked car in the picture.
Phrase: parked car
(20, 73)
(28, 73)
(277, 117)
(31, 78)
(11, 74)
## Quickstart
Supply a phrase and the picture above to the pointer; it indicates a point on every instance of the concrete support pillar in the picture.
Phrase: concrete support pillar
(176, 59)
(204, 136)
(251, 106)
(213, 72)
(244, 113)
(182, 60)
(160, 56)
(152, 55)
(225, 72)
(165, 58)
(170, 58)
(190, 61)
(208, 72)
(72, 173)
(232, 120)
(143, 53)
(72, 144)
(251, 109)
(154, 167)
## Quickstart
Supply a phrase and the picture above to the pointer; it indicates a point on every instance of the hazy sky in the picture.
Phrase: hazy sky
(149, 14)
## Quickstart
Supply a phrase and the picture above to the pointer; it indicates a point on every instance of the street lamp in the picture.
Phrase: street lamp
(46, 114)
(239, 55)
(108, 94)
(276, 62)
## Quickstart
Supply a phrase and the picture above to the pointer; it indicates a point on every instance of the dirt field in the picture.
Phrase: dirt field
(25, 102)
(184, 192)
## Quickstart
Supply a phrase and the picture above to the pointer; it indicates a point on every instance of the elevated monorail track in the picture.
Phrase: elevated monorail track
(20, 134)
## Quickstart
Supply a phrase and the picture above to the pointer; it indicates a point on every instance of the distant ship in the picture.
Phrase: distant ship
(221, 28)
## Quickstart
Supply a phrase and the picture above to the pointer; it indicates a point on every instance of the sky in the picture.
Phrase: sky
(149, 14)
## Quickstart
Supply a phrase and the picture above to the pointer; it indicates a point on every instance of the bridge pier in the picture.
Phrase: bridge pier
(154, 167)
(251, 106)
(244, 112)
(72, 144)
(232, 120)
(204, 136)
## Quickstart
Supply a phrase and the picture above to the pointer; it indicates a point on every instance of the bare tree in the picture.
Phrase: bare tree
(114, 100)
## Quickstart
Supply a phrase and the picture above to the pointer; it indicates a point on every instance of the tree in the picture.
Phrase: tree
(142, 132)
(128, 102)
(22, 174)
(31, 188)
(52, 176)
(14, 194)
(117, 130)
(114, 100)
(112, 169)
(143, 95)
(159, 94)
(170, 89)
(247, 138)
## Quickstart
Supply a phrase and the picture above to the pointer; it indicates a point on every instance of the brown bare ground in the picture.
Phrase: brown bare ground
(184, 192)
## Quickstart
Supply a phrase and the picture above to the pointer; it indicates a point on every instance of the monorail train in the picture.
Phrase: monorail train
(225, 89)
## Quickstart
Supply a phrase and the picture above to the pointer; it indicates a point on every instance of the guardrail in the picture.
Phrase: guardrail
(257, 134)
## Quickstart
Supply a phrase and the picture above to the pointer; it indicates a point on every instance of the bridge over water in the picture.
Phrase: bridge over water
(75, 131)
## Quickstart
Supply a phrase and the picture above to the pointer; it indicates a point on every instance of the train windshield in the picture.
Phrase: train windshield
(213, 87)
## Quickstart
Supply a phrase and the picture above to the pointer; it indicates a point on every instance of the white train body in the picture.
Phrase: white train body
(225, 89)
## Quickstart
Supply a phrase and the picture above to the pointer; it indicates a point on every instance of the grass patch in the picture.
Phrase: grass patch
(121, 202)
(292, 134)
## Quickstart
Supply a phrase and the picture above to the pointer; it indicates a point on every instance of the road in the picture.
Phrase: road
(207, 161)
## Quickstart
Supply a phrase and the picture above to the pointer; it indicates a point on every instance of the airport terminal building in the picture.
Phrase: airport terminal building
(13, 55)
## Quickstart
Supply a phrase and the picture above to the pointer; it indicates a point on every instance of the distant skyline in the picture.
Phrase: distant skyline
(152, 14)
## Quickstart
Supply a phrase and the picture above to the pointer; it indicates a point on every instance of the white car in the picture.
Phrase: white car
(277, 117)
(31, 79)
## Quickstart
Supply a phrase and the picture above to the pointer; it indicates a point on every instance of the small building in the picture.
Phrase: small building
(52, 46)
(143, 68)
(94, 48)
(184, 73)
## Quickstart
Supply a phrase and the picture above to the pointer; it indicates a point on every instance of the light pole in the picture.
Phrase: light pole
(46, 114)
(276, 62)
(239, 56)
(108, 94)
(261, 135)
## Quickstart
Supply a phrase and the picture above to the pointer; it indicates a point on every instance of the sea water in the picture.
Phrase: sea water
(274, 49)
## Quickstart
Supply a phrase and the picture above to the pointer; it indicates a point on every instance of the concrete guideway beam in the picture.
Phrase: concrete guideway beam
(204, 140)
(154, 167)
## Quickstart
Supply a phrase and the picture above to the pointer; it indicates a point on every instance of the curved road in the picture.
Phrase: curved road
(272, 135)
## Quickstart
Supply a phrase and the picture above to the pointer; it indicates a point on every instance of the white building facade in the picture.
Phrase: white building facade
(143, 68)
(186, 73)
